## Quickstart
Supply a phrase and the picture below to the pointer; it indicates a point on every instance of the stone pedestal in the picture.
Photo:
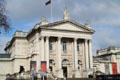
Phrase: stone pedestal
(77, 74)
(86, 73)
(48, 71)
(60, 73)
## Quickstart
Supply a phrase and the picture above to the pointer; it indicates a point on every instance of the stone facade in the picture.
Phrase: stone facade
(65, 46)
(108, 60)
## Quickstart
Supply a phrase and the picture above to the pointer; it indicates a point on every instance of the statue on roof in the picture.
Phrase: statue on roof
(87, 24)
(66, 14)
(43, 21)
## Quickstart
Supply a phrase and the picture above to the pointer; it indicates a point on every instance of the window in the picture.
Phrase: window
(78, 48)
(64, 46)
(50, 46)
(79, 62)
(65, 61)
(51, 69)
(51, 61)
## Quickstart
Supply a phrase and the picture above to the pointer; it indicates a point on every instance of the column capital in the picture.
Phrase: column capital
(90, 40)
(86, 40)
(75, 39)
(47, 36)
(42, 36)
(59, 37)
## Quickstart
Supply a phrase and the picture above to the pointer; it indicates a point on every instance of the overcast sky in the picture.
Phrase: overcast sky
(103, 15)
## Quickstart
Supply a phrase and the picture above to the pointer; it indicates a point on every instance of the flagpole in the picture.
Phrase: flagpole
(47, 3)
(51, 12)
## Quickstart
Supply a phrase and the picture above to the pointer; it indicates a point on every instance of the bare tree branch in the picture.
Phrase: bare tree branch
(3, 18)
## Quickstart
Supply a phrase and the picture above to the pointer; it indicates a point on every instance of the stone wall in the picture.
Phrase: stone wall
(5, 68)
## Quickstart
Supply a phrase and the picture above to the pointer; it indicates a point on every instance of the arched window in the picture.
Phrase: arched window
(51, 61)
(65, 61)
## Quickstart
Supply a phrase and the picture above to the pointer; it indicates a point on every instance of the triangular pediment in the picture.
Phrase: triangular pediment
(69, 26)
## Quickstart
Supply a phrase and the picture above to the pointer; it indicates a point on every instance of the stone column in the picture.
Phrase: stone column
(75, 55)
(86, 69)
(90, 54)
(47, 52)
(59, 60)
(77, 73)
(42, 48)
(86, 55)
(38, 51)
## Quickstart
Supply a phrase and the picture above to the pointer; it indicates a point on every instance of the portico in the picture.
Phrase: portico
(45, 49)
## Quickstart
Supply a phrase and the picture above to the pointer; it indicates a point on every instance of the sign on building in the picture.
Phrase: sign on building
(114, 68)
(43, 66)
(32, 65)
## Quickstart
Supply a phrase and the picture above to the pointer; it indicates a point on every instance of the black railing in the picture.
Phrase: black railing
(108, 77)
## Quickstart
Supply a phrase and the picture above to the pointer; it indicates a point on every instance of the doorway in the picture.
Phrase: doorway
(64, 71)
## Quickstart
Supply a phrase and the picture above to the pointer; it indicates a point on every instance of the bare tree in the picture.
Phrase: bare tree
(3, 18)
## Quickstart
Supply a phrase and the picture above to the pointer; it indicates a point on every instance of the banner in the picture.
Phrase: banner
(43, 66)
(32, 65)
(114, 68)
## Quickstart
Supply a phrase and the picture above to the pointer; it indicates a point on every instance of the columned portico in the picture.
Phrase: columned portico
(59, 72)
(88, 57)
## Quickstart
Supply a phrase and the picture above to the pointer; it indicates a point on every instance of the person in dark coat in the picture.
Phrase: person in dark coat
(21, 69)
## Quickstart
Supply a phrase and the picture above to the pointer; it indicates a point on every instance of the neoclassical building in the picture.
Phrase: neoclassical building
(65, 46)
(107, 60)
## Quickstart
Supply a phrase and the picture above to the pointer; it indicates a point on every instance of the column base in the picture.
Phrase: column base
(85, 74)
(48, 70)
(77, 74)
(60, 73)
(88, 72)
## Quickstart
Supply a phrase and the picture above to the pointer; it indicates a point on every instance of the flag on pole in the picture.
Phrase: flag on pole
(48, 2)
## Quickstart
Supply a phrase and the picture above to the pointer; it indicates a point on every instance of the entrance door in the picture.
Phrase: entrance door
(64, 71)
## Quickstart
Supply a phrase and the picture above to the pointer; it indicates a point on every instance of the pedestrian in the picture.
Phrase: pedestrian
(21, 69)
(34, 74)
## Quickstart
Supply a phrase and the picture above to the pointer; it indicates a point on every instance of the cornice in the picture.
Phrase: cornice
(13, 39)
(66, 30)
